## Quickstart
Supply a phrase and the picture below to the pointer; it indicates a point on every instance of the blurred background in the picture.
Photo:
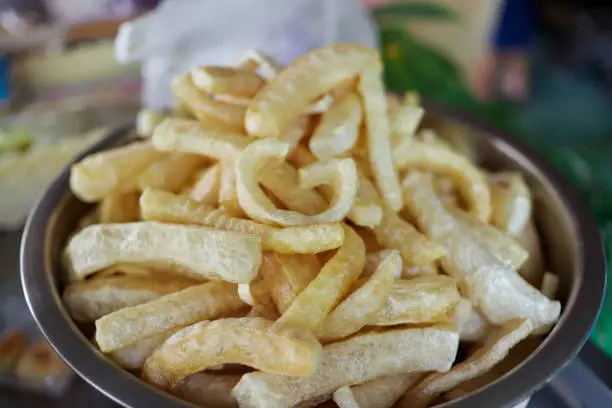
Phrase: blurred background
(540, 70)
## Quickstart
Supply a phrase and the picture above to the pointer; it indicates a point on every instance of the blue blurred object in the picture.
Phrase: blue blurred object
(5, 82)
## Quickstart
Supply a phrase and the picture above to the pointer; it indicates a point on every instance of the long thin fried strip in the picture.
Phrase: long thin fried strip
(225, 80)
(258, 206)
(470, 324)
(380, 392)
(378, 140)
(287, 275)
(494, 351)
(472, 184)
(127, 326)
(209, 390)
(146, 120)
(404, 122)
(415, 248)
(362, 305)
(254, 59)
(338, 128)
(310, 308)
(533, 269)
(500, 292)
(190, 136)
(115, 170)
(228, 196)
(500, 244)
(308, 77)
(162, 206)
(373, 259)
(425, 299)
(200, 252)
(119, 207)
(89, 300)
(133, 356)
(206, 186)
(203, 107)
(249, 341)
(353, 361)
(171, 172)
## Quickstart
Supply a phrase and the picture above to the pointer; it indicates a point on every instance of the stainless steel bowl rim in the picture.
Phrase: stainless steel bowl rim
(558, 349)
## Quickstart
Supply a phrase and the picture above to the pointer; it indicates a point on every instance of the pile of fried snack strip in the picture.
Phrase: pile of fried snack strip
(290, 236)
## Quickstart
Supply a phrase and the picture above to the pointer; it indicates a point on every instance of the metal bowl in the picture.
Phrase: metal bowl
(570, 237)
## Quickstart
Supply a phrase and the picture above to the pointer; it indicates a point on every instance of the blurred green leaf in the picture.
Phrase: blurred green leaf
(414, 11)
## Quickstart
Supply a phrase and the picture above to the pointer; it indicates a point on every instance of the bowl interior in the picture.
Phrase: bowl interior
(569, 236)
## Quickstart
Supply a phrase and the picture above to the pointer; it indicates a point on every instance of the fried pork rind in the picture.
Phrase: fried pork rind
(533, 269)
(205, 189)
(415, 248)
(287, 275)
(470, 324)
(424, 299)
(361, 306)
(199, 252)
(209, 390)
(204, 108)
(190, 136)
(171, 172)
(290, 93)
(404, 122)
(407, 272)
(349, 362)
(492, 352)
(162, 206)
(470, 181)
(224, 80)
(499, 292)
(312, 305)
(258, 206)
(132, 357)
(89, 300)
(498, 243)
(248, 341)
(12, 346)
(338, 128)
(115, 170)
(206, 301)
(381, 392)
(147, 120)
(511, 202)
(228, 196)
(119, 207)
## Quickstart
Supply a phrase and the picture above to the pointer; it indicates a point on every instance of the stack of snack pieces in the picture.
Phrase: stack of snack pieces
(289, 236)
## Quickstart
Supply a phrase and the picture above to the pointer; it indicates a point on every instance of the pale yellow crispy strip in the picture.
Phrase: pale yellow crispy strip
(415, 248)
(289, 94)
(192, 250)
(310, 308)
(225, 80)
(132, 357)
(89, 300)
(228, 198)
(495, 350)
(381, 392)
(249, 341)
(119, 207)
(171, 172)
(209, 390)
(205, 108)
(162, 206)
(378, 135)
(190, 136)
(115, 170)
(127, 326)
(206, 186)
(349, 362)
(287, 275)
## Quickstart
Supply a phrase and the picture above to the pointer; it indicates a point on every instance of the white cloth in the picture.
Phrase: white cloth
(181, 34)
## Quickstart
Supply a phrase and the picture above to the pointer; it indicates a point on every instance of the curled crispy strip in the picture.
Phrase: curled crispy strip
(206, 186)
(203, 107)
(249, 341)
(259, 207)
(189, 136)
(308, 77)
(310, 308)
(129, 325)
(381, 392)
(228, 196)
(495, 350)
(133, 356)
(225, 80)
(171, 172)
(356, 311)
(471, 182)
(157, 205)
